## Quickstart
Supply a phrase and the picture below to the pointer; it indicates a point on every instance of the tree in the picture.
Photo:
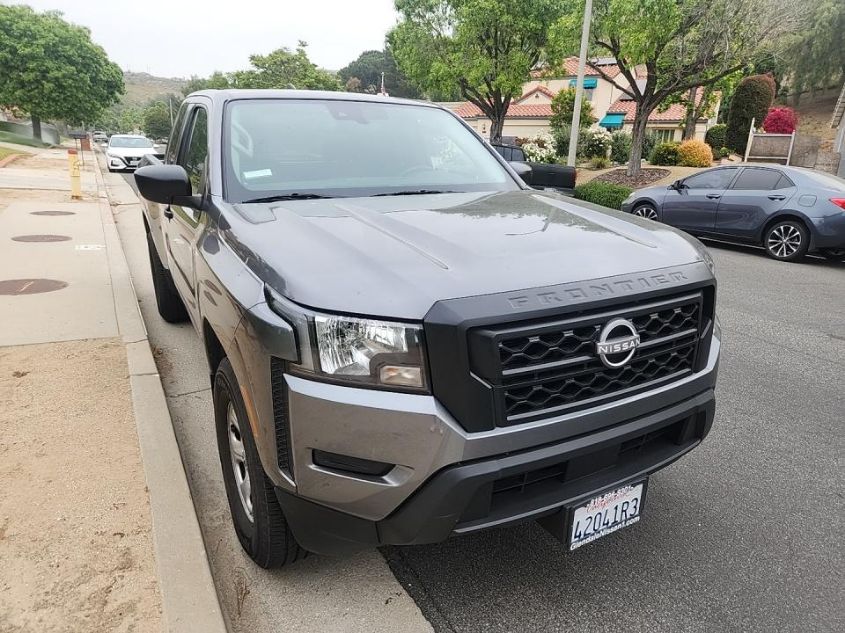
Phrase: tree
(664, 48)
(216, 80)
(484, 47)
(284, 68)
(156, 120)
(816, 57)
(368, 69)
(751, 102)
(563, 104)
(52, 69)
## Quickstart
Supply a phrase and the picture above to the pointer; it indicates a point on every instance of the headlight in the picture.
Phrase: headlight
(361, 351)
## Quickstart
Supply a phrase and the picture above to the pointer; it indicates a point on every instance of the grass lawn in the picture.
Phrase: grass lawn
(5, 151)
(8, 137)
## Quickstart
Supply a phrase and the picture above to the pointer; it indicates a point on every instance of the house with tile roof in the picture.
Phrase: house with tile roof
(613, 109)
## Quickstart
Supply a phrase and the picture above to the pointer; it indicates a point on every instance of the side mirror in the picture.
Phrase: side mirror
(678, 184)
(166, 184)
(523, 170)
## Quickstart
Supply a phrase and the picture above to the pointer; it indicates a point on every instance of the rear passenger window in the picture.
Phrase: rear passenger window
(784, 183)
(757, 179)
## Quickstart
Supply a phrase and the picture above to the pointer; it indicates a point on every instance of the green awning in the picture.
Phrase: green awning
(589, 82)
(612, 120)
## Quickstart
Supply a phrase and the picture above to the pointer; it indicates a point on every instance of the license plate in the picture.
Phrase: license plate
(606, 513)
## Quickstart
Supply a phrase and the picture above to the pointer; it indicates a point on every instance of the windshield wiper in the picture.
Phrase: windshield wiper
(288, 196)
(413, 192)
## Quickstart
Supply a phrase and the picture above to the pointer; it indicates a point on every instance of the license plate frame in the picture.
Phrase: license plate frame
(605, 498)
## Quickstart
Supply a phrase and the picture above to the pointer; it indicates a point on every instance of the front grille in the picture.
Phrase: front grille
(280, 414)
(548, 368)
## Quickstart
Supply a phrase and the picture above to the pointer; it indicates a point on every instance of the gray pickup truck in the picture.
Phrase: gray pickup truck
(405, 341)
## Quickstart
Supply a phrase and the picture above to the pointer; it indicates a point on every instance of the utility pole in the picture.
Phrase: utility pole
(579, 85)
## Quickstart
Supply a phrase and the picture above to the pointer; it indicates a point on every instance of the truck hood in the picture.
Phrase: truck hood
(396, 256)
(130, 151)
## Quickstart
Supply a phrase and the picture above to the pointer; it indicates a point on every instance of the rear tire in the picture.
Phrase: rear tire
(786, 241)
(168, 301)
(256, 514)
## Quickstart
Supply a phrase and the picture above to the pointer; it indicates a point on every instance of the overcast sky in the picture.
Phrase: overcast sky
(180, 38)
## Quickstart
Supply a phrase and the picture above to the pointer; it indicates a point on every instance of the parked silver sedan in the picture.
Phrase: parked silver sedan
(789, 211)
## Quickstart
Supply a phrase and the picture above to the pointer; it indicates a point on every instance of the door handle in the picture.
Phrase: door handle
(168, 213)
(714, 196)
(777, 197)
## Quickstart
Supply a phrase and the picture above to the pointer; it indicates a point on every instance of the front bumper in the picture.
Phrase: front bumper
(117, 162)
(512, 487)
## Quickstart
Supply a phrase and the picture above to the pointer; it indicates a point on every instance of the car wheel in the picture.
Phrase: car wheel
(646, 211)
(834, 254)
(787, 241)
(256, 514)
(168, 301)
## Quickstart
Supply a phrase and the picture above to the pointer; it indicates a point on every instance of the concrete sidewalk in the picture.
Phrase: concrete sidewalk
(97, 527)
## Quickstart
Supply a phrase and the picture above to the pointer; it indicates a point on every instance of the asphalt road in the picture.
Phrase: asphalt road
(743, 534)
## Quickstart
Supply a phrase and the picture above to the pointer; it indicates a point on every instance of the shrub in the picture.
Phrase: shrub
(724, 152)
(599, 162)
(751, 100)
(780, 121)
(561, 140)
(606, 194)
(598, 143)
(694, 153)
(665, 154)
(715, 136)
(539, 148)
(620, 147)
(649, 143)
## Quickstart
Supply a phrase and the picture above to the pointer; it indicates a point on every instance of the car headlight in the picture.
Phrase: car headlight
(371, 352)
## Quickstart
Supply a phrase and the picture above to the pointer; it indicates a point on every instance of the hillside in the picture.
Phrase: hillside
(142, 87)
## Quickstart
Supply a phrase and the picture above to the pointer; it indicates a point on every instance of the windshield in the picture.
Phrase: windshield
(129, 141)
(311, 148)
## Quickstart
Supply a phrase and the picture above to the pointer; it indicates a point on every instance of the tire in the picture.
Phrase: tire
(168, 301)
(787, 241)
(256, 514)
(111, 171)
(646, 211)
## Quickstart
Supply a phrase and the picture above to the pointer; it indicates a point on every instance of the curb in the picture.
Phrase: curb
(10, 159)
(189, 599)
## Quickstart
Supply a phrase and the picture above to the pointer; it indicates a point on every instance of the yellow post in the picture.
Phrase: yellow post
(75, 179)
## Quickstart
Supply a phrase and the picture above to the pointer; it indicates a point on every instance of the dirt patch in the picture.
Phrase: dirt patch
(8, 196)
(647, 176)
(76, 549)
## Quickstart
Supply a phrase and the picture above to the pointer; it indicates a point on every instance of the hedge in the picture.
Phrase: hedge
(751, 100)
(606, 194)
(620, 147)
(665, 154)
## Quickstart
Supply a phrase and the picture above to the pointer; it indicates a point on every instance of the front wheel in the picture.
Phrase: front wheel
(256, 514)
(646, 211)
(787, 241)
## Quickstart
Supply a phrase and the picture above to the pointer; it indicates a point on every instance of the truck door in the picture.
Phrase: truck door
(755, 195)
(185, 224)
(693, 205)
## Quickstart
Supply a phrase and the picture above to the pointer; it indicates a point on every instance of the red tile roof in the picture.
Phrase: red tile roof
(515, 111)
(675, 113)
(569, 68)
(540, 89)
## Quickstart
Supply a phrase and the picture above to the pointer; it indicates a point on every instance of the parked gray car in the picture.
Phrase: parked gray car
(789, 211)
(405, 341)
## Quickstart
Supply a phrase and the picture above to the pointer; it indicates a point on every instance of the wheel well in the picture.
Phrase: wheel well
(214, 351)
(783, 218)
